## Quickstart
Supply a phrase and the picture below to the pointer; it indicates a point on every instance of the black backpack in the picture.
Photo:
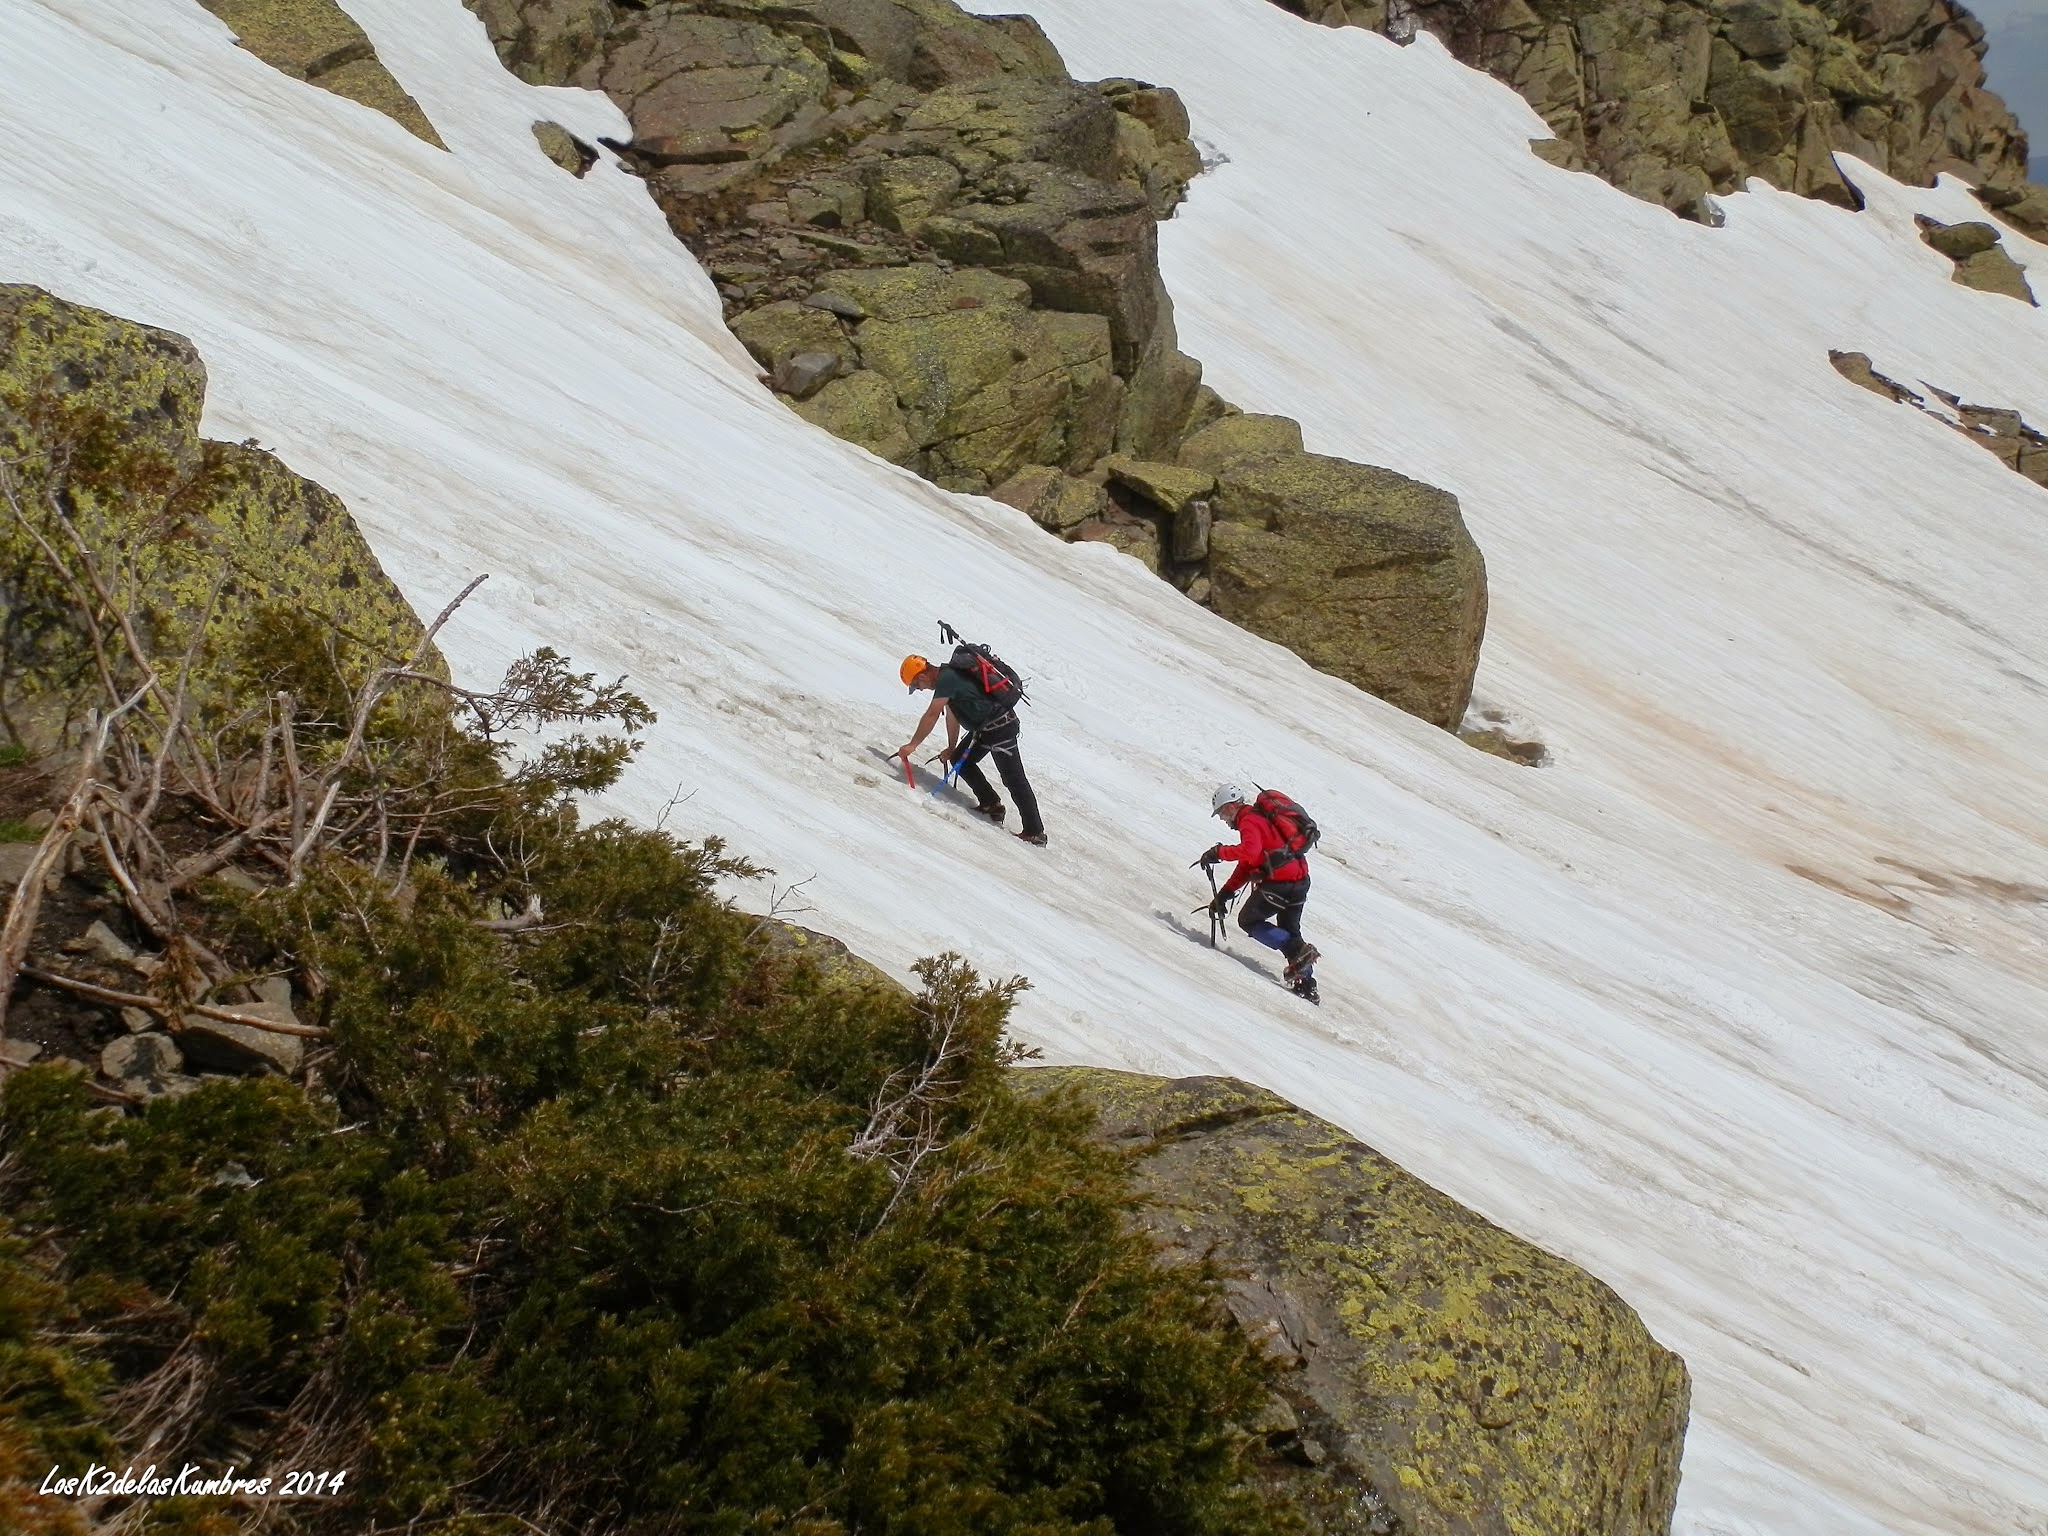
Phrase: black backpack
(1298, 830)
(1001, 685)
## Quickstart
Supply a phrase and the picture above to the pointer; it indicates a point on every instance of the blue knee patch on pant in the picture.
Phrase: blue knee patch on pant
(1272, 937)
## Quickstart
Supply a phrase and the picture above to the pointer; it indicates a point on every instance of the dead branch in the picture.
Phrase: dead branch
(170, 1013)
(27, 902)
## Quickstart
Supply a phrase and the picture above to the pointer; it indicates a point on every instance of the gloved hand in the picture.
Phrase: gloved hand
(1212, 858)
(1219, 907)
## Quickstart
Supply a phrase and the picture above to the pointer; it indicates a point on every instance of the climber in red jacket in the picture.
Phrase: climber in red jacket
(1273, 838)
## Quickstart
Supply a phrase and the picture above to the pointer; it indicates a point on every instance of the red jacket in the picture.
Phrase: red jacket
(1257, 837)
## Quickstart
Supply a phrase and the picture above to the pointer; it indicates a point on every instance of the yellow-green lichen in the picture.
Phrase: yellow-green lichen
(1481, 1384)
(99, 421)
(320, 43)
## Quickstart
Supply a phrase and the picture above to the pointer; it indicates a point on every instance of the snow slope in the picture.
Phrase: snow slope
(1765, 620)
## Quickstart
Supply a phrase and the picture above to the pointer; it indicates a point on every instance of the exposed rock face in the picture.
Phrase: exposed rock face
(320, 43)
(2019, 447)
(939, 246)
(1446, 1378)
(122, 403)
(1362, 572)
(1981, 262)
(1673, 99)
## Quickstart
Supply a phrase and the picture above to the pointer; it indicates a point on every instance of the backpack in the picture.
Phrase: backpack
(1001, 686)
(995, 677)
(1298, 830)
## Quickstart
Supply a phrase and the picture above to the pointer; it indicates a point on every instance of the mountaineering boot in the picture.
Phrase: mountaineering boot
(1035, 839)
(1305, 987)
(994, 810)
(1303, 962)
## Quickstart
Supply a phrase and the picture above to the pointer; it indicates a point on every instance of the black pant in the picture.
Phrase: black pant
(1276, 904)
(1002, 742)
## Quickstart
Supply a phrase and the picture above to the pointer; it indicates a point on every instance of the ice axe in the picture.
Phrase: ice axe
(958, 759)
(1215, 922)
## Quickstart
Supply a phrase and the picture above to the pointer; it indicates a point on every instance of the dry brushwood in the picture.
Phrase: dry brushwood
(277, 787)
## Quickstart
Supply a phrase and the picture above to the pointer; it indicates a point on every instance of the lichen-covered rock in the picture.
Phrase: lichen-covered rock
(780, 330)
(1673, 99)
(1052, 499)
(120, 404)
(1993, 271)
(1958, 242)
(1243, 436)
(941, 247)
(987, 384)
(1141, 540)
(320, 43)
(564, 148)
(1446, 1377)
(544, 42)
(835, 964)
(1170, 487)
(1980, 261)
(861, 407)
(1361, 572)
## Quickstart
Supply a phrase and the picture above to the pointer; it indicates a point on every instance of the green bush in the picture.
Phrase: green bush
(574, 1230)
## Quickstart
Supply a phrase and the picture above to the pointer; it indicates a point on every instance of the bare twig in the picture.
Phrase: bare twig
(27, 902)
(168, 1012)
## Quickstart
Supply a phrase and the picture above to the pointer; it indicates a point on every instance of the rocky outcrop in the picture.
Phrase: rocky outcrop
(1981, 261)
(1362, 572)
(564, 148)
(1441, 1377)
(939, 246)
(320, 43)
(2019, 447)
(118, 405)
(1674, 99)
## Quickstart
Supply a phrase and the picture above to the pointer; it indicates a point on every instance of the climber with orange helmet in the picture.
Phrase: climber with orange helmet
(977, 691)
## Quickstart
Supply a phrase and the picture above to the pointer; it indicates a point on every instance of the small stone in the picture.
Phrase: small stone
(802, 374)
(564, 148)
(1274, 1417)
(101, 941)
(15, 859)
(230, 1047)
(137, 1020)
(835, 303)
(738, 271)
(19, 1053)
(40, 820)
(273, 989)
(828, 203)
(146, 1064)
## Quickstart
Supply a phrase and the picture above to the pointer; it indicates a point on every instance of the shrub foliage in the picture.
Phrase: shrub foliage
(617, 1218)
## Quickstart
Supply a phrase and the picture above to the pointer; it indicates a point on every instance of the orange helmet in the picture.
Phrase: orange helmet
(912, 668)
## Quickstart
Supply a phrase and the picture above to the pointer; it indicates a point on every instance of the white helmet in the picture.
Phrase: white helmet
(1226, 794)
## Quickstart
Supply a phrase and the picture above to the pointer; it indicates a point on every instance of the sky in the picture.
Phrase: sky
(2016, 66)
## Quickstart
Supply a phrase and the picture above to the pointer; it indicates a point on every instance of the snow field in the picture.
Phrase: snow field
(1764, 619)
